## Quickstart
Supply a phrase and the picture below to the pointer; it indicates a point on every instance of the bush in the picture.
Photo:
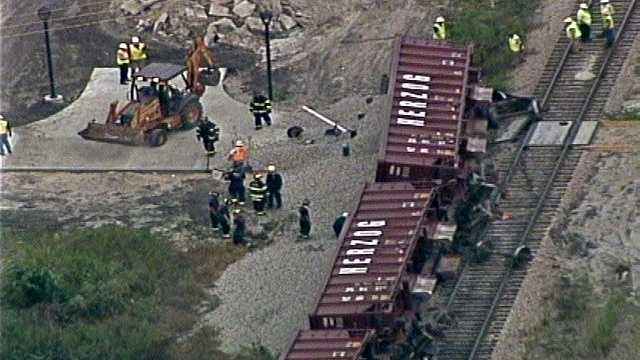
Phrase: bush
(601, 327)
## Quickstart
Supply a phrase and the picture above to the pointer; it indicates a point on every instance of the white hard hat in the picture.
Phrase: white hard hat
(239, 143)
(584, 6)
(604, 1)
(271, 168)
(135, 39)
(568, 20)
(345, 214)
(1, 117)
(440, 19)
(122, 46)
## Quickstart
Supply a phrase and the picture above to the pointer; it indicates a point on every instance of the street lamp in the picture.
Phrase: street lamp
(266, 17)
(44, 13)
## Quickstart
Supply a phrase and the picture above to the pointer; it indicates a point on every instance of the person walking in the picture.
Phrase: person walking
(609, 30)
(139, 54)
(239, 154)
(339, 223)
(214, 205)
(5, 133)
(258, 193)
(305, 220)
(274, 186)
(209, 134)
(239, 227)
(123, 60)
(606, 8)
(224, 218)
(517, 47)
(439, 29)
(573, 33)
(261, 108)
(236, 185)
(584, 22)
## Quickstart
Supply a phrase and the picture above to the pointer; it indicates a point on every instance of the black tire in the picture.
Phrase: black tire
(157, 137)
(191, 114)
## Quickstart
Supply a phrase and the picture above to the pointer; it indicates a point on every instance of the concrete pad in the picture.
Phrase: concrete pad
(513, 128)
(54, 142)
(585, 133)
(549, 133)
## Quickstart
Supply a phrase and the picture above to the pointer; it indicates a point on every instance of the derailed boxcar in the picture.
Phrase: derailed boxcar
(331, 344)
(378, 261)
(427, 97)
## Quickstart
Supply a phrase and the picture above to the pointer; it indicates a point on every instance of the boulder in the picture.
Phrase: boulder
(287, 22)
(200, 12)
(254, 24)
(224, 26)
(133, 7)
(160, 22)
(244, 9)
(216, 9)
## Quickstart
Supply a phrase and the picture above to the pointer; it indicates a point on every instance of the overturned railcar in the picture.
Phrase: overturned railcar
(425, 137)
(331, 344)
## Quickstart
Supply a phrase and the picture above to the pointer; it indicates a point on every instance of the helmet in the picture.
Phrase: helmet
(271, 168)
(155, 80)
(122, 46)
(135, 39)
(239, 143)
(257, 176)
(440, 19)
(584, 6)
(305, 202)
(568, 20)
(345, 214)
(237, 211)
(213, 193)
(604, 1)
(1, 117)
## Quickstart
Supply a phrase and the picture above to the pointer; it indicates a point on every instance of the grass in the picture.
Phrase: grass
(107, 293)
(600, 329)
(475, 22)
(625, 115)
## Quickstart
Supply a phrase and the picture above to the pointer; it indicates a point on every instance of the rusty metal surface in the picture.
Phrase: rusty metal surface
(374, 248)
(426, 104)
(328, 344)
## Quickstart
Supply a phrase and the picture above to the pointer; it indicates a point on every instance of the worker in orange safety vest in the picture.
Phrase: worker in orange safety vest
(239, 154)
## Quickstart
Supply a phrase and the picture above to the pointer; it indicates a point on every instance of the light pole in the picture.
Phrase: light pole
(266, 17)
(44, 13)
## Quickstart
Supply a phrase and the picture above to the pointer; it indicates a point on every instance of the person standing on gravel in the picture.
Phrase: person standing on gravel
(139, 54)
(339, 223)
(214, 205)
(573, 33)
(584, 22)
(258, 193)
(236, 185)
(517, 47)
(439, 29)
(260, 107)
(239, 227)
(123, 60)
(224, 218)
(305, 220)
(5, 132)
(274, 186)
(609, 30)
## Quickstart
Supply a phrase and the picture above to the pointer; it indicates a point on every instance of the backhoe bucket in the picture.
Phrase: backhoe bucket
(113, 134)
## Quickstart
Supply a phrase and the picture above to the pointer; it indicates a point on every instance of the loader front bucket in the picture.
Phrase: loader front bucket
(113, 134)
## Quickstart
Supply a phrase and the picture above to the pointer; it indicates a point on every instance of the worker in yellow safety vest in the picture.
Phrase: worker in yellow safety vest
(439, 29)
(517, 47)
(5, 132)
(573, 33)
(609, 30)
(123, 60)
(606, 8)
(139, 54)
(584, 22)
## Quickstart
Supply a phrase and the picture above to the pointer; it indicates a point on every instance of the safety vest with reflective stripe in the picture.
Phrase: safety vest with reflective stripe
(606, 10)
(122, 57)
(260, 107)
(257, 190)
(4, 127)
(584, 17)
(573, 32)
(608, 22)
(439, 31)
(138, 52)
(240, 153)
(515, 43)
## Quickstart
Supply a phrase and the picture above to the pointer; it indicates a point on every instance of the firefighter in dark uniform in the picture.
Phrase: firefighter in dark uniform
(305, 220)
(224, 218)
(261, 108)
(214, 206)
(239, 227)
(339, 223)
(258, 193)
(209, 134)
(236, 185)
(274, 185)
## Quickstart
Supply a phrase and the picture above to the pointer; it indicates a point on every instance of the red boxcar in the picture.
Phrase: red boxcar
(330, 344)
(427, 93)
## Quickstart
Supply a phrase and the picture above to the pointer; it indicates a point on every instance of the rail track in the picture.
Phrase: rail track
(533, 181)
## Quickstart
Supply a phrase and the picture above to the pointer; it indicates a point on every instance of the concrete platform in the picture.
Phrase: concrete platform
(550, 133)
(585, 133)
(54, 142)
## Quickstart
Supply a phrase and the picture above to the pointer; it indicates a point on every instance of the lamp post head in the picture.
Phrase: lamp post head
(44, 13)
(266, 16)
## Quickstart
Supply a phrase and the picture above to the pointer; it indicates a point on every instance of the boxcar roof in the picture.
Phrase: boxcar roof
(426, 103)
(328, 344)
(375, 244)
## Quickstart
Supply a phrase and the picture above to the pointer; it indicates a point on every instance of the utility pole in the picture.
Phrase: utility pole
(44, 13)
(266, 17)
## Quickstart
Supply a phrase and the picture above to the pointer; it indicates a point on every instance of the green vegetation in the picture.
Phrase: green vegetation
(107, 293)
(600, 329)
(624, 115)
(475, 22)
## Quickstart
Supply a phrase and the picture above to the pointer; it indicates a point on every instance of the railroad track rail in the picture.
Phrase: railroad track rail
(573, 87)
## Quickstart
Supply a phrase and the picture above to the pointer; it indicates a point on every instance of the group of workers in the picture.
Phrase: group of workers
(131, 56)
(579, 31)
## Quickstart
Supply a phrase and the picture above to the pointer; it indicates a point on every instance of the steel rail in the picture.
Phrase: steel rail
(90, 170)
(565, 149)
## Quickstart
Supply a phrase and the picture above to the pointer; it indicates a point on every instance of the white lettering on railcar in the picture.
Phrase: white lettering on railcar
(420, 92)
